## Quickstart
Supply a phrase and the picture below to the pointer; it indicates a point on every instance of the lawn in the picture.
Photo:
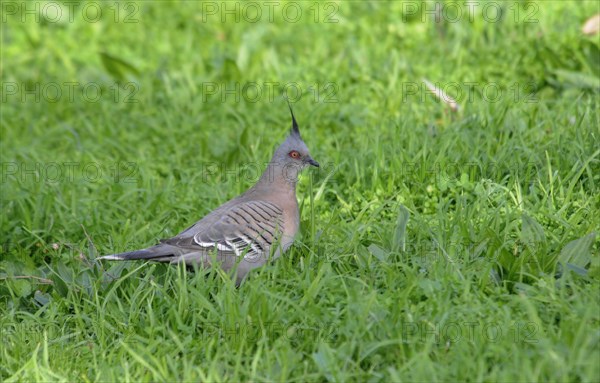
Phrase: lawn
(439, 241)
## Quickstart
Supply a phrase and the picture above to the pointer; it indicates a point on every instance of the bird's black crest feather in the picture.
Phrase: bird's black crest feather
(295, 129)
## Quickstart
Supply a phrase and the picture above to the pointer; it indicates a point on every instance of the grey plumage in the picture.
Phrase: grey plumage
(248, 229)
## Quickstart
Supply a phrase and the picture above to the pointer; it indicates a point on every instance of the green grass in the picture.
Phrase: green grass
(435, 245)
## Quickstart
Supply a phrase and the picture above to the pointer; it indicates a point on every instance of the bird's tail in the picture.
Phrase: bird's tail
(158, 253)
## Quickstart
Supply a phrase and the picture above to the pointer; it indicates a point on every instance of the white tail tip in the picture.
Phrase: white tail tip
(110, 258)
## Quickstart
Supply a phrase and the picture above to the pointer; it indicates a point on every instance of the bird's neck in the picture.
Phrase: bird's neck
(278, 178)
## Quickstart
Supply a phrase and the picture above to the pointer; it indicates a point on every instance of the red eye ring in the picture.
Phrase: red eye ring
(294, 154)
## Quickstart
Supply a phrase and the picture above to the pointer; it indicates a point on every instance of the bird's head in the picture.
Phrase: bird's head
(292, 155)
(293, 152)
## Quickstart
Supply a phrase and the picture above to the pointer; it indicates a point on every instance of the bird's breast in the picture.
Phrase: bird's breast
(291, 220)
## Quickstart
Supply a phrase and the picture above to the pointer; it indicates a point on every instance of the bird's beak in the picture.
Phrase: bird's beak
(312, 162)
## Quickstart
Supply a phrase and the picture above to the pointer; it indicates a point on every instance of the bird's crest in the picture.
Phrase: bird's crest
(294, 130)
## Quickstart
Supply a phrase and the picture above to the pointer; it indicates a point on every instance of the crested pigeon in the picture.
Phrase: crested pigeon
(247, 230)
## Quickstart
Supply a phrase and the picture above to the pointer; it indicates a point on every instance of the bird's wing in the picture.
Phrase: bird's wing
(247, 228)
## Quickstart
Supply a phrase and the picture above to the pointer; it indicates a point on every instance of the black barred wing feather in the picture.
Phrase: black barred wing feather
(247, 229)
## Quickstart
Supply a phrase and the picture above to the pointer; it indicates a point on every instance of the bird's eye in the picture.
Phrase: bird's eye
(294, 154)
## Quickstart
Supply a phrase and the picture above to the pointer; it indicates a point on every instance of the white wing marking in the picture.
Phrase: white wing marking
(219, 246)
